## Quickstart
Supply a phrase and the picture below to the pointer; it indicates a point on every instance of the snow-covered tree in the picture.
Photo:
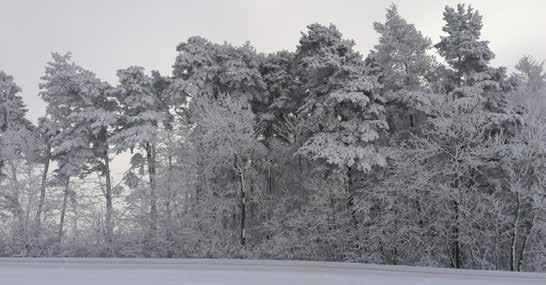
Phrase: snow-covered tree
(16, 146)
(71, 93)
(462, 48)
(225, 128)
(402, 53)
(46, 131)
(209, 68)
(12, 115)
(343, 109)
(315, 154)
(522, 164)
(283, 95)
(12, 108)
(531, 72)
(143, 108)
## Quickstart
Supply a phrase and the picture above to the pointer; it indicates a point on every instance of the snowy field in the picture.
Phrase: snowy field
(22, 271)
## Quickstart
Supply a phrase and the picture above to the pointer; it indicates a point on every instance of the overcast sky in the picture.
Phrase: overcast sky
(104, 36)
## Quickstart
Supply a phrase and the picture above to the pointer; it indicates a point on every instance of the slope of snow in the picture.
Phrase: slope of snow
(91, 271)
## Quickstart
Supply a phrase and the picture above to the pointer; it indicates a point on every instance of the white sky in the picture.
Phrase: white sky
(108, 35)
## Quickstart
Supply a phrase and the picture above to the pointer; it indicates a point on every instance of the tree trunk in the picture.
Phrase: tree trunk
(243, 205)
(351, 198)
(243, 213)
(270, 185)
(109, 209)
(515, 227)
(37, 217)
(1, 168)
(30, 199)
(456, 243)
(75, 209)
(150, 156)
(455, 230)
(525, 242)
(18, 211)
(459, 72)
(168, 199)
(63, 211)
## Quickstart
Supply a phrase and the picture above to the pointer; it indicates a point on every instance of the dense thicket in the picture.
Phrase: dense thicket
(317, 154)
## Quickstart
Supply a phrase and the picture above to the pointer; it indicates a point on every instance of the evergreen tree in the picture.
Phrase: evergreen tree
(46, 131)
(67, 88)
(406, 70)
(343, 112)
(402, 53)
(143, 107)
(208, 68)
(531, 72)
(462, 48)
(12, 113)
(15, 147)
(343, 108)
(94, 119)
(12, 108)
(283, 92)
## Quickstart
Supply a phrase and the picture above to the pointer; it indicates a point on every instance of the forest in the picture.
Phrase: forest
(416, 153)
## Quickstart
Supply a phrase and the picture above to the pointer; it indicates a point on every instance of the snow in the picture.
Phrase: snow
(91, 271)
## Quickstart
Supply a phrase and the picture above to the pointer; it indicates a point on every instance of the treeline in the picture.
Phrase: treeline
(317, 154)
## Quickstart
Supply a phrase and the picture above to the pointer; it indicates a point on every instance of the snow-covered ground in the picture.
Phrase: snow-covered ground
(22, 271)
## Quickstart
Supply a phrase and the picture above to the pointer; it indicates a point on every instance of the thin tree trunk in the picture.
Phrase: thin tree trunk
(456, 243)
(74, 203)
(37, 217)
(455, 230)
(396, 231)
(514, 235)
(351, 198)
(1, 168)
(150, 156)
(169, 197)
(459, 72)
(243, 212)
(18, 209)
(30, 198)
(168, 209)
(243, 204)
(525, 242)
(109, 209)
(269, 211)
(63, 211)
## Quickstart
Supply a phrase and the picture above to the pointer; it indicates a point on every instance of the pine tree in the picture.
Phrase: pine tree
(12, 113)
(531, 72)
(208, 68)
(68, 89)
(47, 130)
(344, 111)
(12, 108)
(405, 70)
(282, 95)
(12, 116)
(401, 53)
(462, 48)
(143, 107)
(15, 145)
(226, 79)
(463, 123)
